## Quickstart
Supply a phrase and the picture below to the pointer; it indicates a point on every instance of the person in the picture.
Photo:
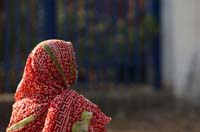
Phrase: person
(44, 101)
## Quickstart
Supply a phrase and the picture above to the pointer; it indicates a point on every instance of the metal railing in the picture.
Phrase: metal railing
(115, 40)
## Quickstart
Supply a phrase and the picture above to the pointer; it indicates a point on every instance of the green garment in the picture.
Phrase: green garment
(21, 123)
(83, 125)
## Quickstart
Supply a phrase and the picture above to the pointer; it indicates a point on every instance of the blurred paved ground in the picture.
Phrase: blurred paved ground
(136, 110)
(161, 120)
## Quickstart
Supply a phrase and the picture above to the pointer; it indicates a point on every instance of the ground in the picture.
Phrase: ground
(137, 111)
(169, 119)
(160, 120)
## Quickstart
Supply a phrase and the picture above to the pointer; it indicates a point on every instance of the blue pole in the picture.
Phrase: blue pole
(154, 51)
(17, 40)
(105, 41)
(66, 21)
(49, 19)
(86, 35)
(105, 38)
(157, 47)
(114, 24)
(40, 20)
(136, 59)
(28, 27)
(7, 45)
(147, 55)
(97, 62)
(127, 44)
(76, 34)
(149, 44)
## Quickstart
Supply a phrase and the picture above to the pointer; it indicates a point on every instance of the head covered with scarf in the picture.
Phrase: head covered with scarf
(43, 96)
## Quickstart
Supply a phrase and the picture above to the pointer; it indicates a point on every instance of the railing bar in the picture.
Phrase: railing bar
(7, 46)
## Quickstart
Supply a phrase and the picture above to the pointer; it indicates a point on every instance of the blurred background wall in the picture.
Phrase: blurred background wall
(118, 37)
(117, 45)
(129, 40)
(125, 39)
(180, 39)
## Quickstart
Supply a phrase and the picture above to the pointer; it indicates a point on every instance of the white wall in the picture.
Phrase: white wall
(167, 41)
(180, 20)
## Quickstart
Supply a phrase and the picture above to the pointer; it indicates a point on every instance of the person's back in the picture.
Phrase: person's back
(44, 101)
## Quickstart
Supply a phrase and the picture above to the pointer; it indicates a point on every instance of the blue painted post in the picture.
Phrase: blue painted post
(7, 46)
(17, 40)
(146, 47)
(40, 20)
(65, 26)
(157, 47)
(75, 24)
(49, 19)
(153, 51)
(127, 44)
(148, 44)
(136, 59)
(86, 36)
(28, 27)
(97, 62)
(115, 10)
(105, 41)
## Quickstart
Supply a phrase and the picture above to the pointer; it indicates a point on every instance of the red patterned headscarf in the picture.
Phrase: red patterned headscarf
(44, 92)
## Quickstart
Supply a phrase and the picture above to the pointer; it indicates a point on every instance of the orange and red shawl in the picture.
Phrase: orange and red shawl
(44, 92)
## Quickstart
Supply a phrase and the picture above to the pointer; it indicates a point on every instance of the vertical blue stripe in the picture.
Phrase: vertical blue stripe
(75, 23)
(17, 40)
(50, 19)
(157, 47)
(115, 30)
(126, 43)
(149, 43)
(40, 18)
(65, 26)
(7, 45)
(106, 36)
(86, 62)
(97, 62)
(28, 27)
(153, 51)
(136, 59)
(105, 42)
